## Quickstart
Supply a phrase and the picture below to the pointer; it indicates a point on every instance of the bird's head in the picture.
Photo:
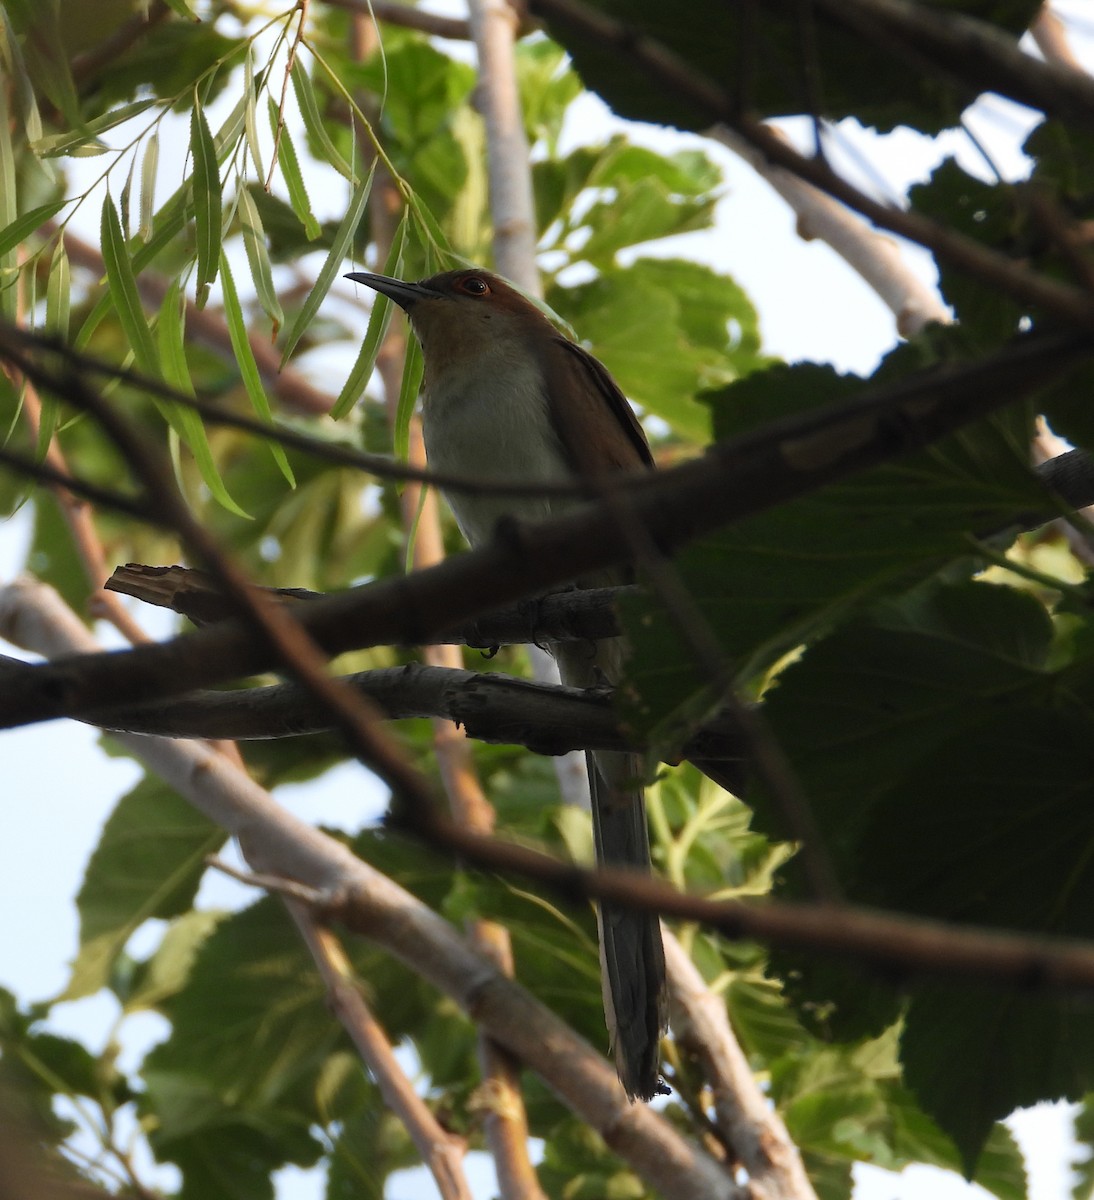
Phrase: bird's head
(462, 313)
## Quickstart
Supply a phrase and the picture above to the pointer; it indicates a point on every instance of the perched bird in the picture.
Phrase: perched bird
(506, 397)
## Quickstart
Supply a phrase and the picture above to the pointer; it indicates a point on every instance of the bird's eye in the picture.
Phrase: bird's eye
(474, 286)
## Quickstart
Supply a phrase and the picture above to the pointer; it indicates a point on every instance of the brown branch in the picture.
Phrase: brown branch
(547, 718)
(745, 1119)
(440, 1151)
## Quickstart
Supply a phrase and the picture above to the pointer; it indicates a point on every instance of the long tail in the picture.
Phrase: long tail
(632, 960)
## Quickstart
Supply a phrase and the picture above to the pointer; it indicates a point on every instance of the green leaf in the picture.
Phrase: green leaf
(207, 202)
(949, 770)
(15, 233)
(182, 419)
(774, 580)
(248, 368)
(254, 242)
(58, 291)
(86, 137)
(313, 121)
(168, 970)
(332, 265)
(148, 186)
(413, 369)
(123, 290)
(9, 295)
(662, 327)
(250, 115)
(378, 322)
(290, 171)
(148, 863)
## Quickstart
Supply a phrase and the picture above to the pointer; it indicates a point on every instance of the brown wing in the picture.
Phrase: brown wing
(603, 435)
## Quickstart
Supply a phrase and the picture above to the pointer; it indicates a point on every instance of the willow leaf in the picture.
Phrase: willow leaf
(207, 202)
(123, 290)
(313, 121)
(294, 180)
(248, 368)
(332, 265)
(254, 242)
(186, 423)
(378, 322)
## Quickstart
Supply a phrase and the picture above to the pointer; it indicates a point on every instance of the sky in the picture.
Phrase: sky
(60, 788)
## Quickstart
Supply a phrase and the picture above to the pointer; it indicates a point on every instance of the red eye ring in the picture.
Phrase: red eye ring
(473, 285)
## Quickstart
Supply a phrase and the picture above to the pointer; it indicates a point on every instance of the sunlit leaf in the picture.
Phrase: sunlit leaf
(332, 265)
(207, 202)
(248, 368)
(254, 242)
(294, 179)
(313, 121)
(148, 186)
(378, 322)
(185, 422)
(123, 290)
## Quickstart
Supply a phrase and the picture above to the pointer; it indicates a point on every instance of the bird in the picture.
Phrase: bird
(505, 396)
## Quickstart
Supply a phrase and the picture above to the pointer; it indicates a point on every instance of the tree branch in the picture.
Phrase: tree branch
(732, 480)
(1069, 304)
(279, 844)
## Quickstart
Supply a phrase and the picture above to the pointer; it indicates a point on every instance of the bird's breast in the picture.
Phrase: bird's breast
(488, 420)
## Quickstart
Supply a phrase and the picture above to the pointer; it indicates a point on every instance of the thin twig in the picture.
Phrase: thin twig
(749, 1125)
(441, 1152)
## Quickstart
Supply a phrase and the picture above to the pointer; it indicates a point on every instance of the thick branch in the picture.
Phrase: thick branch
(547, 718)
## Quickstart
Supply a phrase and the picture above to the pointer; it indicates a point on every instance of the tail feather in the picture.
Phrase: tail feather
(632, 958)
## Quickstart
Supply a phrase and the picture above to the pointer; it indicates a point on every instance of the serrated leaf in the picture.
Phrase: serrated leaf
(71, 142)
(250, 118)
(332, 265)
(313, 121)
(207, 202)
(291, 173)
(254, 242)
(123, 290)
(149, 166)
(248, 368)
(148, 863)
(378, 322)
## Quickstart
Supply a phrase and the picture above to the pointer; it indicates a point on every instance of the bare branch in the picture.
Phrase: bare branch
(745, 1117)
(876, 258)
(441, 1152)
